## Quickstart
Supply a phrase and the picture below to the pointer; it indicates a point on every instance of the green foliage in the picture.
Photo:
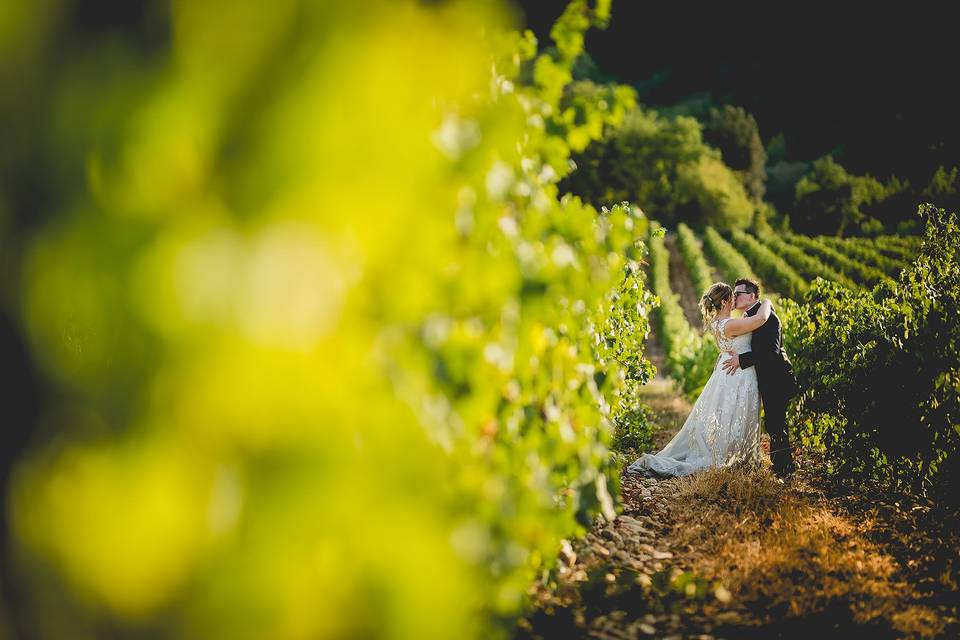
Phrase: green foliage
(943, 189)
(830, 201)
(906, 227)
(782, 179)
(690, 356)
(636, 161)
(780, 275)
(891, 246)
(692, 253)
(663, 165)
(675, 332)
(695, 105)
(587, 107)
(871, 227)
(863, 275)
(633, 429)
(585, 68)
(696, 362)
(861, 250)
(807, 265)
(278, 409)
(712, 194)
(769, 220)
(889, 208)
(776, 149)
(880, 368)
(912, 243)
(735, 133)
(728, 261)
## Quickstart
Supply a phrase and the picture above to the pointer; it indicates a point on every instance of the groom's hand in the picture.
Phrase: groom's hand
(732, 363)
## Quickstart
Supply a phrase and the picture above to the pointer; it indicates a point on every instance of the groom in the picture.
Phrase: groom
(774, 373)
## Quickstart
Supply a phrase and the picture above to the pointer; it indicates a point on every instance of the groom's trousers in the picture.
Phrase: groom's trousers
(775, 412)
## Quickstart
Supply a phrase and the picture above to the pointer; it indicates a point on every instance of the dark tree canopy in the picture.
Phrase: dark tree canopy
(874, 91)
(735, 133)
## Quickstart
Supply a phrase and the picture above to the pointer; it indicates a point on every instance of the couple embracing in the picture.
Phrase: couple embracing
(723, 427)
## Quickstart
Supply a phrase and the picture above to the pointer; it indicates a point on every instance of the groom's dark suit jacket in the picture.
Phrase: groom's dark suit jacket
(774, 369)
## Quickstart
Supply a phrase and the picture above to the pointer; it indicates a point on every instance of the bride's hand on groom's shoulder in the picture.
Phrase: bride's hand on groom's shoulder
(766, 308)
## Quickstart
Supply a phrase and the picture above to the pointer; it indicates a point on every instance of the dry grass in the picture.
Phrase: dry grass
(784, 553)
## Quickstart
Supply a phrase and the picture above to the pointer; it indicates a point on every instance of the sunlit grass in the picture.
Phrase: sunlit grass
(786, 554)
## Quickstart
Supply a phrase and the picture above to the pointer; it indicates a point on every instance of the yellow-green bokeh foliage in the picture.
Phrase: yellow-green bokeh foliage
(330, 357)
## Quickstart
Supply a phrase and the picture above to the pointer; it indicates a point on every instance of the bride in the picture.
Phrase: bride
(723, 427)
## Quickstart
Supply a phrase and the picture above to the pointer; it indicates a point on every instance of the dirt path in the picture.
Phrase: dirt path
(736, 554)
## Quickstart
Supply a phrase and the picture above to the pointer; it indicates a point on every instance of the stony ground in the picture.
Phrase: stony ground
(736, 554)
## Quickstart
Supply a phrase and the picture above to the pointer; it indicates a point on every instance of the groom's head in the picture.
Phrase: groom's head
(746, 292)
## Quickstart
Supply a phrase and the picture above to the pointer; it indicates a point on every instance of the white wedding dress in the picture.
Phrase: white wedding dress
(723, 427)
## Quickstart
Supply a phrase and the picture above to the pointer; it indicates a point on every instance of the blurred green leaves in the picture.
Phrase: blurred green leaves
(327, 353)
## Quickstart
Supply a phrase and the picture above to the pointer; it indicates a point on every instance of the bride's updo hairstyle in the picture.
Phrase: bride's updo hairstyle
(713, 299)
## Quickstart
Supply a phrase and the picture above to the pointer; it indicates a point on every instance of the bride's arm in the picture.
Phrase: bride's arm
(739, 326)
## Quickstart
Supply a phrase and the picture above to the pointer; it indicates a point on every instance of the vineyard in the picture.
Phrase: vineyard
(311, 335)
(874, 428)
(850, 309)
(784, 267)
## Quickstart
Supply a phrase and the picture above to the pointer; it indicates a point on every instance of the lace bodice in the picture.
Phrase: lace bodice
(737, 344)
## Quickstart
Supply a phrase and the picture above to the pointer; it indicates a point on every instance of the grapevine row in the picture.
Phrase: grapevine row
(690, 357)
(889, 247)
(776, 271)
(675, 332)
(865, 254)
(872, 372)
(911, 243)
(731, 264)
(692, 253)
(807, 265)
(860, 273)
